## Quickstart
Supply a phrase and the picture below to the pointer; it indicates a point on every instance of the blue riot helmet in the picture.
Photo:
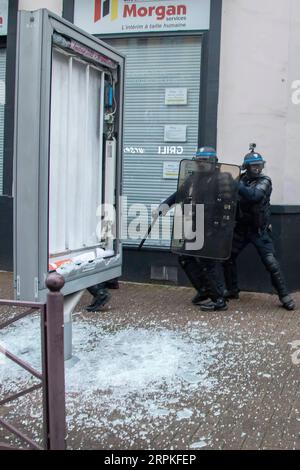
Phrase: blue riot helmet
(253, 162)
(206, 158)
(207, 154)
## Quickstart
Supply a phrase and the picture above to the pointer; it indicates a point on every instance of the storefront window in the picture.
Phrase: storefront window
(161, 114)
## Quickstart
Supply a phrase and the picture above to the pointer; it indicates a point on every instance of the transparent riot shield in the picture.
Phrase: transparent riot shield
(206, 202)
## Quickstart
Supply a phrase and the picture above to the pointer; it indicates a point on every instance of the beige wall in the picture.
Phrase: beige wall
(53, 5)
(260, 60)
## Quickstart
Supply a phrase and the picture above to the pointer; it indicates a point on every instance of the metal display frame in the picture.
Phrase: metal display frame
(32, 153)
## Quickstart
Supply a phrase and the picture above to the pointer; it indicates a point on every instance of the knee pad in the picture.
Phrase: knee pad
(188, 264)
(183, 260)
(271, 263)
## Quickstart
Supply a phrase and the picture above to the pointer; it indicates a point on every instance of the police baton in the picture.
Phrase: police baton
(150, 229)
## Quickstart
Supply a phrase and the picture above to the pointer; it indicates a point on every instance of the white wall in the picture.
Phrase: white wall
(260, 59)
(55, 6)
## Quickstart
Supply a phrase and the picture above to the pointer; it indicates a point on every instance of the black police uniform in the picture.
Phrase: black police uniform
(101, 294)
(253, 226)
(201, 272)
(101, 297)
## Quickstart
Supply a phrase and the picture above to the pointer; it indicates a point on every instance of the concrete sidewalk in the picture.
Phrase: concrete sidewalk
(154, 372)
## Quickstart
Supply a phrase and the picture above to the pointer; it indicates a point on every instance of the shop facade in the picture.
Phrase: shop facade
(172, 54)
(198, 72)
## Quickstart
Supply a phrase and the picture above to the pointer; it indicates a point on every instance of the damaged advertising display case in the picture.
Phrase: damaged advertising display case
(68, 141)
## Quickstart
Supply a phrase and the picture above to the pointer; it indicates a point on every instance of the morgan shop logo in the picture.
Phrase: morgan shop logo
(133, 10)
(105, 7)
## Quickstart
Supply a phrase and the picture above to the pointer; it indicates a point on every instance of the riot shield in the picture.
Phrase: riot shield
(206, 202)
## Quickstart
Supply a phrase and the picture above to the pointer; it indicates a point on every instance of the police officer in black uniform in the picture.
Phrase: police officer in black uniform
(202, 272)
(253, 226)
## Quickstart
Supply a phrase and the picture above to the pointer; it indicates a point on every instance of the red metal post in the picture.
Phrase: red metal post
(98, 8)
(55, 407)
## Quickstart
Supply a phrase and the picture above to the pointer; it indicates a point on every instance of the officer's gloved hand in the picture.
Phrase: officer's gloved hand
(155, 213)
(162, 209)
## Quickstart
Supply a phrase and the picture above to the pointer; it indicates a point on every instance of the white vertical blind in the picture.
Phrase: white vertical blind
(75, 154)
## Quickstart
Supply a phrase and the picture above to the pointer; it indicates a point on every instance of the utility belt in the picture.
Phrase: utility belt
(257, 218)
(250, 229)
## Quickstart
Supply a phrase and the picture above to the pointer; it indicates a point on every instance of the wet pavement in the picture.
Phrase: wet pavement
(153, 372)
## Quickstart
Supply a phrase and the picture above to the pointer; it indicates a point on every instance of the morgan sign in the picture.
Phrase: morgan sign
(141, 16)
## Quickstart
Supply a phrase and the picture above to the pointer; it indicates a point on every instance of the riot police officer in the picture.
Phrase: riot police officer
(253, 226)
(201, 271)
